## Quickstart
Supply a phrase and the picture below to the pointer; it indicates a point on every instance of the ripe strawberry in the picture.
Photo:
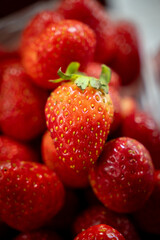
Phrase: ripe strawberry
(93, 69)
(34, 194)
(122, 179)
(147, 218)
(67, 176)
(126, 61)
(21, 105)
(141, 126)
(37, 25)
(99, 232)
(98, 214)
(56, 47)
(11, 150)
(95, 16)
(79, 114)
(38, 235)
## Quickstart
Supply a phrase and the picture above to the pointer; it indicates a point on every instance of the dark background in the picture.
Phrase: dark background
(8, 6)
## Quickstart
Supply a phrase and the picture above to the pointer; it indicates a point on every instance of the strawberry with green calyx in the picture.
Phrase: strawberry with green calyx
(84, 81)
(78, 115)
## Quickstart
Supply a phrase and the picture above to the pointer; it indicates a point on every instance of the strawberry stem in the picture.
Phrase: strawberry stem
(83, 81)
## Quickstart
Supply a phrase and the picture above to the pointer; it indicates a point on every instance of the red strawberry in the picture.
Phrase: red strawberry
(30, 194)
(79, 114)
(147, 218)
(56, 47)
(99, 232)
(38, 235)
(21, 105)
(141, 126)
(122, 179)
(37, 25)
(11, 150)
(94, 69)
(126, 61)
(67, 176)
(95, 16)
(100, 215)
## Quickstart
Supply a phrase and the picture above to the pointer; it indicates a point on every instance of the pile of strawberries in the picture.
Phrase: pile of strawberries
(78, 159)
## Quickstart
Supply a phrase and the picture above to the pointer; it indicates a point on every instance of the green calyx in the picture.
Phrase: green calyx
(83, 81)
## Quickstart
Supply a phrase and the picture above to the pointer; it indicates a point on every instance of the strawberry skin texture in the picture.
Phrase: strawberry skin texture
(37, 25)
(11, 150)
(66, 175)
(98, 214)
(79, 122)
(99, 232)
(57, 46)
(142, 127)
(34, 194)
(147, 218)
(38, 235)
(21, 105)
(123, 178)
(95, 16)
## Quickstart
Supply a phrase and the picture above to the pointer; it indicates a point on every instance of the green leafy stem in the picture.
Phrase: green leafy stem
(83, 81)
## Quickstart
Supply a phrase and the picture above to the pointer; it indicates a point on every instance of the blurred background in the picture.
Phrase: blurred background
(143, 13)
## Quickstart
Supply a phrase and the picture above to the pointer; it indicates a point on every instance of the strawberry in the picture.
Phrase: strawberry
(67, 176)
(98, 214)
(147, 218)
(56, 47)
(37, 24)
(141, 126)
(21, 105)
(34, 194)
(122, 179)
(126, 61)
(38, 235)
(95, 16)
(98, 232)
(11, 150)
(78, 115)
(93, 69)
